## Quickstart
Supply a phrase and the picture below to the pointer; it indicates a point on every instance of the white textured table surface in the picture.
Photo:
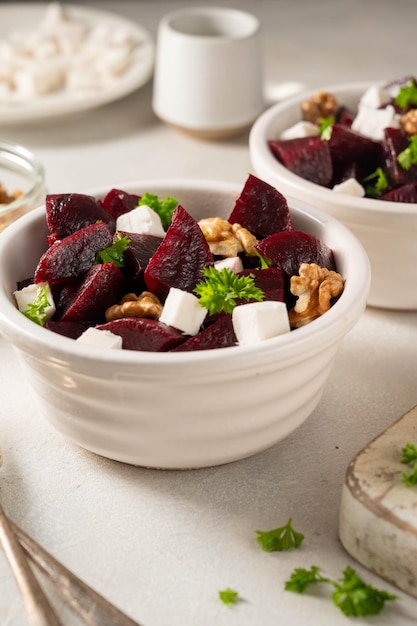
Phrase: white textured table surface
(161, 544)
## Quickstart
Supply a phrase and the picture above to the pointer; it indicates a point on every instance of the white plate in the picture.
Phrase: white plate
(20, 16)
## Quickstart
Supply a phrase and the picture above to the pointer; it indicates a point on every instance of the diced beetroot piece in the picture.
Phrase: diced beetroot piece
(405, 193)
(118, 202)
(261, 209)
(73, 330)
(144, 334)
(309, 157)
(220, 334)
(288, 250)
(344, 171)
(345, 117)
(66, 213)
(270, 280)
(72, 256)
(101, 287)
(347, 145)
(395, 141)
(182, 255)
(141, 248)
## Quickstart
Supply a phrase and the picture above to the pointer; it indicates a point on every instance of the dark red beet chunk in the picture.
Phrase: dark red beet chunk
(261, 209)
(73, 330)
(405, 193)
(182, 255)
(271, 281)
(141, 248)
(345, 117)
(309, 157)
(72, 256)
(346, 145)
(101, 287)
(219, 334)
(145, 334)
(69, 212)
(118, 202)
(395, 141)
(288, 250)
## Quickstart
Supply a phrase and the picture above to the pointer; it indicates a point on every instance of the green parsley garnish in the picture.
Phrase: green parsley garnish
(164, 208)
(407, 96)
(325, 127)
(278, 539)
(219, 292)
(351, 594)
(301, 578)
(408, 157)
(228, 596)
(36, 310)
(409, 453)
(379, 183)
(114, 253)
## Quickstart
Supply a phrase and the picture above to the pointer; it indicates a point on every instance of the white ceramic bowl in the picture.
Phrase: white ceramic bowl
(20, 171)
(189, 409)
(387, 230)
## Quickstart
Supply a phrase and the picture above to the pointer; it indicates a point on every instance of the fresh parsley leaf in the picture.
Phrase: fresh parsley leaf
(279, 539)
(356, 598)
(407, 96)
(264, 263)
(325, 127)
(410, 478)
(228, 596)
(219, 292)
(409, 453)
(408, 157)
(379, 183)
(164, 208)
(301, 578)
(114, 253)
(36, 310)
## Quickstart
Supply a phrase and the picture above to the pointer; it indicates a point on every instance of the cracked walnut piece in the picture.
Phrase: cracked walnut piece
(409, 122)
(315, 287)
(226, 239)
(319, 106)
(131, 305)
(6, 198)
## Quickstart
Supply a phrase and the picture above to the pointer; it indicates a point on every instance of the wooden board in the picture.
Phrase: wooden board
(378, 512)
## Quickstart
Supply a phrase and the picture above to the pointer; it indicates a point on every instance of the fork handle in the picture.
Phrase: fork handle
(38, 609)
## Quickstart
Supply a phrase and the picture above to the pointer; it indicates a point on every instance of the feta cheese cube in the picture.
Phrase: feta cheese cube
(350, 187)
(374, 97)
(141, 220)
(101, 338)
(234, 263)
(300, 129)
(257, 321)
(372, 122)
(183, 311)
(28, 295)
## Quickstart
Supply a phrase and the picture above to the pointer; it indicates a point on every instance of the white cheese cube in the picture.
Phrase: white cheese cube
(372, 122)
(28, 295)
(374, 97)
(36, 78)
(183, 311)
(101, 338)
(141, 220)
(300, 129)
(351, 187)
(257, 321)
(234, 263)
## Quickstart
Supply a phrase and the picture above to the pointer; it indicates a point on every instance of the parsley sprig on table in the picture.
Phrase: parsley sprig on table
(36, 310)
(219, 292)
(164, 208)
(279, 539)
(409, 455)
(114, 253)
(350, 594)
(228, 596)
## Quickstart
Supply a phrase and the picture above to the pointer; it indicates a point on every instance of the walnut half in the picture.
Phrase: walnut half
(226, 239)
(319, 106)
(131, 305)
(315, 286)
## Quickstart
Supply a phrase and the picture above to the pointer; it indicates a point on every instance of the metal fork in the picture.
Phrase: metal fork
(90, 605)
